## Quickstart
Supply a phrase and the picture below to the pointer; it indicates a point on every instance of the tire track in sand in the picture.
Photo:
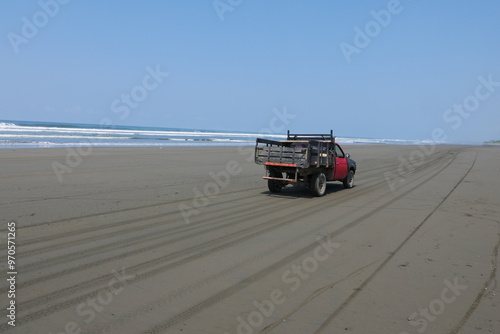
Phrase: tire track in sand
(77, 287)
(391, 255)
(218, 297)
(484, 290)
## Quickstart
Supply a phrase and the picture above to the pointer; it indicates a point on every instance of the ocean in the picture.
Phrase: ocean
(23, 134)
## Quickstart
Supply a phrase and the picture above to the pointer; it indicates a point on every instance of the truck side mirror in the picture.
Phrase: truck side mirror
(347, 155)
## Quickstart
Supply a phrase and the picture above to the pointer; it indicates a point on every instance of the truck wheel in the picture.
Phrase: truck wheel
(318, 184)
(275, 186)
(349, 180)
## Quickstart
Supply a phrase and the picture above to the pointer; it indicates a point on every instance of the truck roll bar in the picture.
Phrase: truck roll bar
(296, 136)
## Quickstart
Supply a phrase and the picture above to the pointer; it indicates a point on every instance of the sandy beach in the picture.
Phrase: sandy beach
(190, 240)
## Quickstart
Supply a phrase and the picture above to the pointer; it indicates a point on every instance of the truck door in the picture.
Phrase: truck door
(341, 164)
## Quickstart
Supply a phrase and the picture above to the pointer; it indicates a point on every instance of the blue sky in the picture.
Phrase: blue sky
(230, 63)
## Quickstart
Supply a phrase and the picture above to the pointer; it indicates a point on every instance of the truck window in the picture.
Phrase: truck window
(339, 152)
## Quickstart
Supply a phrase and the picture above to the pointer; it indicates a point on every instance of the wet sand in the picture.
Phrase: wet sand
(190, 240)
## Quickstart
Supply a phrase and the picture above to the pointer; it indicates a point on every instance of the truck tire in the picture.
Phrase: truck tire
(318, 184)
(349, 180)
(275, 186)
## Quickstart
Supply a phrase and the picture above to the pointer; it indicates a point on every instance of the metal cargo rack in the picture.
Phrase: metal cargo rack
(328, 136)
(298, 151)
(286, 154)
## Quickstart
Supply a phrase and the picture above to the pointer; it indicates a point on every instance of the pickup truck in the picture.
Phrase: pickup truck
(309, 160)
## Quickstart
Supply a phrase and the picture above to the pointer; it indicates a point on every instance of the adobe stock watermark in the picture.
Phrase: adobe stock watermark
(373, 28)
(121, 107)
(131, 100)
(201, 199)
(454, 118)
(30, 27)
(221, 179)
(278, 123)
(223, 6)
(74, 158)
(425, 315)
(88, 310)
(293, 276)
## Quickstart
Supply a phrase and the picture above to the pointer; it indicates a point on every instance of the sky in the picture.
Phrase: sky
(399, 69)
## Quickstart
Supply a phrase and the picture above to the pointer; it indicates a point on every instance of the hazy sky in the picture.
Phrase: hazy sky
(380, 69)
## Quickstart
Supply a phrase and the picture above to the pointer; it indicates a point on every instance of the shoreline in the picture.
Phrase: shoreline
(50, 135)
(197, 145)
